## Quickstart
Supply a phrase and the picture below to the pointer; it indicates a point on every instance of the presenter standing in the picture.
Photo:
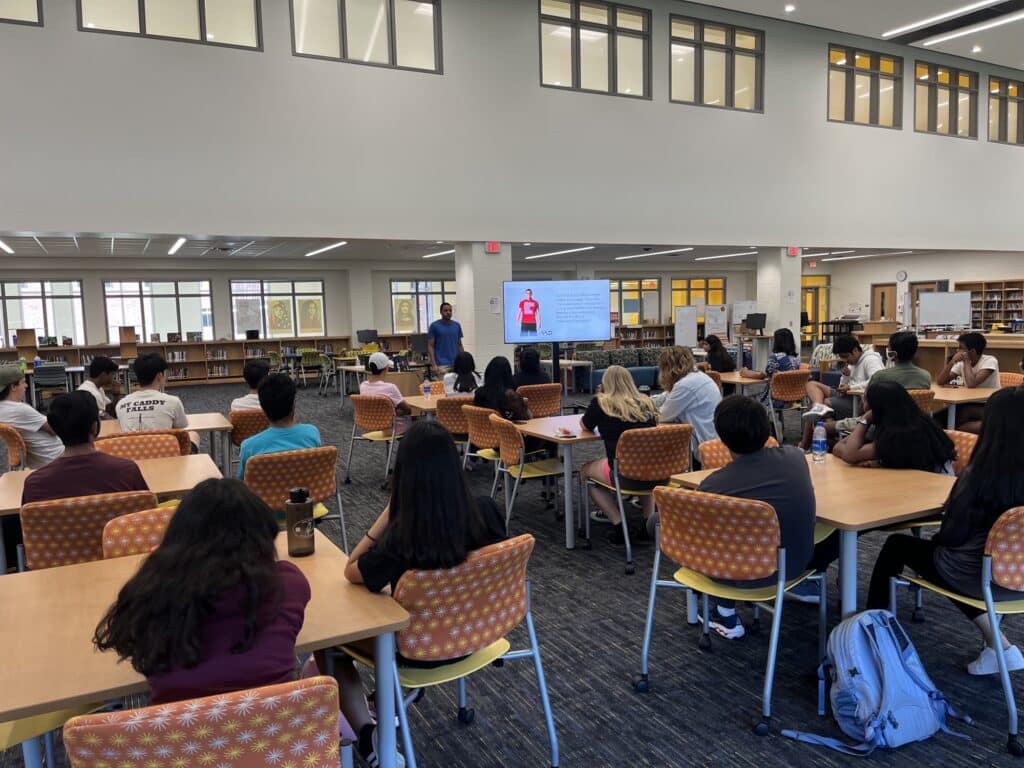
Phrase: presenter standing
(529, 315)
(444, 341)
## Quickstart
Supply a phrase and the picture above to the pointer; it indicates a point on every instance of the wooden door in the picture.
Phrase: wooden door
(916, 289)
(883, 301)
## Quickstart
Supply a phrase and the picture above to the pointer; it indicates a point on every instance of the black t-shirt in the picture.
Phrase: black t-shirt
(721, 362)
(523, 379)
(511, 406)
(609, 427)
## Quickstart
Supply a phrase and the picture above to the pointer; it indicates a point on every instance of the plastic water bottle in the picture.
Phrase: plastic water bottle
(819, 443)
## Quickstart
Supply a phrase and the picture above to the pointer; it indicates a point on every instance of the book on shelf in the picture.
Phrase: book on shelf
(177, 373)
(176, 356)
(217, 354)
(218, 370)
(173, 338)
(194, 335)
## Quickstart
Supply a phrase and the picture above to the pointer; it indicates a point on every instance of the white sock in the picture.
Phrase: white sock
(727, 612)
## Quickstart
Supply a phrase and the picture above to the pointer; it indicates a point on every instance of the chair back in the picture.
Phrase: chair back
(510, 440)
(1008, 379)
(16, 450)
(272, 475)
(309, 358)
(136, 533)
(714, 454)
(924, 399)
(481, 432)
(181, 435)
(790, 386)
(805, 366)
(292, 723)
(715, 377)
(964, 443)
(719, 536)
(373, 412)
(246, 423)
(457, 611)
(545, 399)
(450, 416)
(275, 359)
(49, 375)
(69, 531)
(1004, 544)
(654, 454)
(135, 446)
(434, 388)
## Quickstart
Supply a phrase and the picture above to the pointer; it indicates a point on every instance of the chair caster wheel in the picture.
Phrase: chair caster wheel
(917, 616)
(630, 569)
(466, 715)
(763, 728)
(755, 627)
(420, 693)
(499, 663)
(348, 481)
(1014, 747)
(705, 642)
(641, 684)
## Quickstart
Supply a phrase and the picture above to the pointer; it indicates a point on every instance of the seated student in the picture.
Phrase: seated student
(102, 376)
(254, 372)
(149, 407)
(859, 366)
(41, 442)
(618, 407)
(689, 396)
(499, 394)
(211, 610)
(529, 370)
(896, 434)
(431, 521)
(377, 384)
(277, 399)
(718, 358)
(463, 378)
(992, 483)
(975, 370)
(784, 357)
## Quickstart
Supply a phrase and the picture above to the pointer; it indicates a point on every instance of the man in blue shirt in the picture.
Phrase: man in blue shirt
(277, 399)
(444, 341)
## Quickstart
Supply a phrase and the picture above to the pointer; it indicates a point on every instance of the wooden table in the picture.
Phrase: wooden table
(854, 499)
(545, 430)
(214, 423)
(423, 404)
(47, 619)
(951, 396)
(742, 382)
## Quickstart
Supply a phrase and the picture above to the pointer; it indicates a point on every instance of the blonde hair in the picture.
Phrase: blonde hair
(620, 398)
(675, 363)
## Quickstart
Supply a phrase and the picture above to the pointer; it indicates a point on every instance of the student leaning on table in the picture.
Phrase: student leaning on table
(784, 357)
(977, 371)
(689, 396)
(992, 483)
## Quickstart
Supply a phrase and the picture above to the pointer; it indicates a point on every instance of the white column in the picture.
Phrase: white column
(479, 277)
(360, 301)
(778, 289)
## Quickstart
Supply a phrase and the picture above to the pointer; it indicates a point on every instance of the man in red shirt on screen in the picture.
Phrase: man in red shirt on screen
(529, 315)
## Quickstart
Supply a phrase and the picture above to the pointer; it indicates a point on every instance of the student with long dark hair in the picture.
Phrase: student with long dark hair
(897, 434)
(718, 358)
(784, 357)
(498, 392)
(529, 369)
(992, 483)
(463, 378)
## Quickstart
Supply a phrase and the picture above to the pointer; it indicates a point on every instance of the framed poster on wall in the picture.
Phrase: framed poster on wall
(311, 316)
(279, 318)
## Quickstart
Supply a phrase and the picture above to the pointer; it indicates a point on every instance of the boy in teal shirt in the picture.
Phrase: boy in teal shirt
(277, 399)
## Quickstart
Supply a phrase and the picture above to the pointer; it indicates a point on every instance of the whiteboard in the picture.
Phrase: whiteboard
(716, 321)
(686, 326)
(951, 309)
(741, 309)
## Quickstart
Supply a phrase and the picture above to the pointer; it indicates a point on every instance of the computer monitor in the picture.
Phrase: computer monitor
(250, 335)
(368, 336)
(805, 320)
(756, 321)
(418, 343)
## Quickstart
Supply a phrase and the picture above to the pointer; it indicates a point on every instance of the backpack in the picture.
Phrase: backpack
(881, 695)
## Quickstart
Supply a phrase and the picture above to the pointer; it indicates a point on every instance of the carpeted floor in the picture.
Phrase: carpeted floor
(589, 618)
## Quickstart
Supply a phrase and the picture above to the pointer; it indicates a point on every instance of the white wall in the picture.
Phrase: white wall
(121, 134)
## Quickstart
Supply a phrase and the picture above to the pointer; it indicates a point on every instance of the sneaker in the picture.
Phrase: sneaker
(597, 516)
(367, 748)
(618, 539)
(635, 501)
(729, 627)
(988, 664)
(818, 412)
(805, 592)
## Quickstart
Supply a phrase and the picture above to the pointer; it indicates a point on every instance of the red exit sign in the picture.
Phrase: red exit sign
(794, 250)
(492, 246)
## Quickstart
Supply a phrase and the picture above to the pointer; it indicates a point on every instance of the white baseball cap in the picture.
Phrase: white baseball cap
(379, 362)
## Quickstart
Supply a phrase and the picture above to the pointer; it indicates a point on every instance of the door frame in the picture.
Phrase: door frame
(871, 305)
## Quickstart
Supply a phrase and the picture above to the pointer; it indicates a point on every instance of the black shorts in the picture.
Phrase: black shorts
(528, 328)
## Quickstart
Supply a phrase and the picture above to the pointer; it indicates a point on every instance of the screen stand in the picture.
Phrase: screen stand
(556, 369)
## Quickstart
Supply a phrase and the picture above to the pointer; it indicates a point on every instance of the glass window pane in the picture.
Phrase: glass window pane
(942, 75)
(366, 30)
(121, 311)
(64, 288)
(684, 29)
(248, 315)
(993, 86)
(887, 103)
(113, 15)
(836, 95)
(316, 27)
(942, 111)
(684, 62)
(713, 34)
(631, 20)
(245, 286)
(19, 10)
(309, 286)
(714, 77)
(964, 80)
(837, 56)
(630, 61)
(164, 289)
(993, 119)
(232, 22)
(593, 60)
(964, 110)
(862, 60)
(595, 14)
(556, 55)
(401, 285)
(556, 8)
(921, 107)
(449, 286)
(862, 99)
(196, 315)
(746, 82)
(414, 34)
(26, 313)
(921, 71)
(1012, 114)
(746, 39)
(173, 18)
(716, 282)
(161, 315)
(888, 65)
(1011, 89)
(197, 286)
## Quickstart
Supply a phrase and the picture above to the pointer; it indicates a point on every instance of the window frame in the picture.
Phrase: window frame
(1004, 101)
(613, 31)
(43, 296)
(690, 290)
(264, 294)
(414, 294)
(257, 8)
(876, 75)
(392, 40)
(177, 296)
(730, 50)
(39, 16)
(615, 287)
(933, 85)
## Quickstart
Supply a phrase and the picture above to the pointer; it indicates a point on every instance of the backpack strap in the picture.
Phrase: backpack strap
(863, 749)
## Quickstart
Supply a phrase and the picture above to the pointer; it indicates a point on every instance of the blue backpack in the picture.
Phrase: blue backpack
(881, 695)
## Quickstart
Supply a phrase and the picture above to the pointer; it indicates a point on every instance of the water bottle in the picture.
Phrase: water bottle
(298, 512)
(819, 443)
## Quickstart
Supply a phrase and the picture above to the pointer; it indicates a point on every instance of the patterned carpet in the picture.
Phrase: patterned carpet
(589, 618)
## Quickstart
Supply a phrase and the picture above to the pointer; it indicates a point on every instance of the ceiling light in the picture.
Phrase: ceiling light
(652, 253)
(177, 244)
(439, 253)
(330, 247)
(976, 49)
(867, 256)
(789, 8)
(725, 256)
(841, 62)
(559, 253)
(976, 28)
(825, 253)
(527, 244)
(5, 247)
(439, 242)
(941, 17)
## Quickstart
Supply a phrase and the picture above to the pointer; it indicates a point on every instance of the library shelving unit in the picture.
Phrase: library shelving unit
(994, 301)
(632, 336)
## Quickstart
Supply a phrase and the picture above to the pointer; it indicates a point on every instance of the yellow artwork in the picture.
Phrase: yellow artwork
(311, 316)
(405, 316)
(279, 317)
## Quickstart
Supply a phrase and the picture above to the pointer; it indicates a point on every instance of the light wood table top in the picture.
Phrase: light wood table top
(47, 620)
(858, 498)
(167, 478)
(950, 394)
(545, 429)
(424, 404)
(197, 422)
(733, 377)
(562, 363)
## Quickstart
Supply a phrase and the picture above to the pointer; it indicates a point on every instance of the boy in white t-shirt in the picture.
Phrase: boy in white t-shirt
(149, 407)
(254, 373)
(102, 374)
(41, 442)
(375, 384)
(977, 371)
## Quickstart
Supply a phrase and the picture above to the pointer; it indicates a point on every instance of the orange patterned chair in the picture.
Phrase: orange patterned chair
(450, 416)
(787, 387)
(1008, 379)
(137, 533)
(137, 446)
(925, 399)
(714, 454)
(68, 531)
(715, 377)
(292, 723)
(964, 442)
(375, 416)
(1001, 566)
(513, 464)
(272, 475)
(717, 538)
(181, 435)
(245, 424)
(483, 437)
(544, 399)
(644, 458)
(16, 450)
(466, 611)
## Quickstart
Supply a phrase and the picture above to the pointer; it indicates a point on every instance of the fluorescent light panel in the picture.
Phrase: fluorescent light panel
(823, 253)
(5, 247)
(940, 17)
(439, 253)
(867, 256)
(559, 253)
(974, 29)
(652, 253)
(327, 248)
(174, 248)
(725, 256)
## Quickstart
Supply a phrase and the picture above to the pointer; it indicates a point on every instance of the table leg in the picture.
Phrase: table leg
(225, 453)
(951, 416)
(3, 553)
(384, 672)
(848, 572)
(31, 753)
(570, 524)
(856, 406)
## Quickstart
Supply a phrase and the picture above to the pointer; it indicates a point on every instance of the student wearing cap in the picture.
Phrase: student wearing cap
(277, 399)
(376, 384)
(102, 375)
(41, 442)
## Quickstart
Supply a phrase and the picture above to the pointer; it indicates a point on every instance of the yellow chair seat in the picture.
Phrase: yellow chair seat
(378, 436)
(487, 454)
(1002, 606)
(416, 677)
(701, 583)
(625, 491)
(169, 503)
(822, 531)
(14, 732)
(534, 469)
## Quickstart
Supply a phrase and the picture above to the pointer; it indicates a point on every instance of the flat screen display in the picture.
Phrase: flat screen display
(556, 310)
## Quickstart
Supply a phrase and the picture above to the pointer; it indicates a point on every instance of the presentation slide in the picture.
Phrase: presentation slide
(556, 310)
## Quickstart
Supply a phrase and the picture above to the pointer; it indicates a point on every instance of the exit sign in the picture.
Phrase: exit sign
(492, 246)
(794, 251)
